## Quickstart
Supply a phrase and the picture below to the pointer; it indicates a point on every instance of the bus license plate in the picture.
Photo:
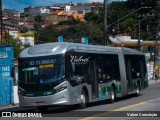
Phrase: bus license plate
(39, 103)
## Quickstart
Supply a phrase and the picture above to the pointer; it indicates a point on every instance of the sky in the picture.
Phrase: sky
(20, 4)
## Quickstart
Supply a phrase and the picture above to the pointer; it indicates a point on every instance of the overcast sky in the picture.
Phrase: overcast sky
(20, 4)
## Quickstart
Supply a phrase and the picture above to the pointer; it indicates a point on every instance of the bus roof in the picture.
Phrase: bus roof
(62, 47)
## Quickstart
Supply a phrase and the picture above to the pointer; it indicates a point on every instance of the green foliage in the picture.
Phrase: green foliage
(127, 26)
(117, 11)
(71, 22)
(23, 30)
(17, 44)
(135, 4)
(38, 22)
(82, 30)
(95, 18)
(38, 19)
(45, 35)
(91, 17)
(121, 17)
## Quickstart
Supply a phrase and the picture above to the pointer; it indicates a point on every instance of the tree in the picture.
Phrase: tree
(121, 19)
(38, 22)
(95, 18)
(17, 44)
(45, 35)
(75, 33)
(70, 22)
(136, 4)
(23, 29)
(91, 17)
(128, 26)
(38, 19)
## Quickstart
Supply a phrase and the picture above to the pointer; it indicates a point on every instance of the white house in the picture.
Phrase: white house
(13, 33)
(39, 10)
(27, 38)
(11, 23)
(11, 13)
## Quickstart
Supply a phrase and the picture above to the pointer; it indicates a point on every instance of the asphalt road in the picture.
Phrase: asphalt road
(131, 107)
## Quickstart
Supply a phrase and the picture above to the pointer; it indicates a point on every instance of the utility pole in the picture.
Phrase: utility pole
(139, 32)
(155, 52)
(1, 18)
(105, 22)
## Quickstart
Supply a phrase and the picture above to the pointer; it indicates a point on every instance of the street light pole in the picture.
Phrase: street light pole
(139, 34)
(155, 52)
(105, 23)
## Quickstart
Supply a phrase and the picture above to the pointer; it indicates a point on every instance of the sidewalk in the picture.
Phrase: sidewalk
(8, 106)
(152, 81)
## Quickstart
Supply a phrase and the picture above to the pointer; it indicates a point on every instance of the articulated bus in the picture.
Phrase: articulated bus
(74, 73)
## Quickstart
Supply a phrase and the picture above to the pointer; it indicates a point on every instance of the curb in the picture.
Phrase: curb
(153, 81)
(8, 106)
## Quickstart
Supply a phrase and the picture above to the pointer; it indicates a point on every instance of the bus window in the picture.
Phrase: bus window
(111, 68)
(79, 72)
(108, 68)
(100, 70)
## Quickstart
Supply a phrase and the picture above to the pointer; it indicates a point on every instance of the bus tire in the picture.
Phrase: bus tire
(138, 90)
(83, 99)
(113, 95)
(42, 109)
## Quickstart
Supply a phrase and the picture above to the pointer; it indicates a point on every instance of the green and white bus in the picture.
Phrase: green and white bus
(74, 73)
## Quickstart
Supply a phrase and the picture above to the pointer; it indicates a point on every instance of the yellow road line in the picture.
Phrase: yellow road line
(109, 112)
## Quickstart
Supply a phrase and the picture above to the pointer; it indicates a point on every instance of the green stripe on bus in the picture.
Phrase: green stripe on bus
(109, 89)
(104, 91)
(118, 89)
(36, 94)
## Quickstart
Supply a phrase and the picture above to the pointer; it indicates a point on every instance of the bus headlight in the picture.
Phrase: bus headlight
(62, 87)
(21, 91)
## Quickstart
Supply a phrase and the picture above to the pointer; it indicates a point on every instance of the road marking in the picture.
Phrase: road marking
(152, 100)
(112, 111)
(119, 109)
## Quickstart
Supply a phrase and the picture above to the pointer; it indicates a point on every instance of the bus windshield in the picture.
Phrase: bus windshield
(43, 74)
(41, 71)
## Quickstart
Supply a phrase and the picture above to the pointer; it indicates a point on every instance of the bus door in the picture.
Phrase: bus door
(129, 75)
(93, 77)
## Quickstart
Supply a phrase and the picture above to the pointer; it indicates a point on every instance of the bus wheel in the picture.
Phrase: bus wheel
(42, 108)
(138, 90)
(83, 99)
(113, 95)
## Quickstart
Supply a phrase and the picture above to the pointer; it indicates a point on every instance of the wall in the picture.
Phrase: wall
(6, 80)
